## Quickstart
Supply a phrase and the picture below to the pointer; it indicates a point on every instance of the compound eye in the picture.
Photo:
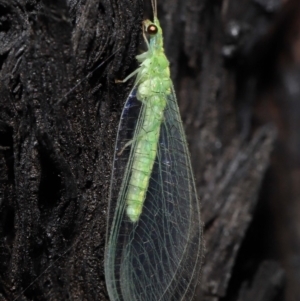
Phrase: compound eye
(152, 29)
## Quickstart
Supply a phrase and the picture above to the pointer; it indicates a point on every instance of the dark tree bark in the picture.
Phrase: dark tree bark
(57, 141)
(58, 120)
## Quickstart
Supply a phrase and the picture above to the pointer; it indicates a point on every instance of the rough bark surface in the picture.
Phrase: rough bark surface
(59, 112)
(57, 141)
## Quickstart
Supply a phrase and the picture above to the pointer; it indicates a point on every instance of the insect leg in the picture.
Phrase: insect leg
(117, 81)
(126, 145)
(139, 136)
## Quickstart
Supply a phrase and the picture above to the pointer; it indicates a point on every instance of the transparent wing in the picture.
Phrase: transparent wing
(158, 257)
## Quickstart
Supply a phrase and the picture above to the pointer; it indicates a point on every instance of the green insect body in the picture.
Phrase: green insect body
(154, 86)
(154, 236)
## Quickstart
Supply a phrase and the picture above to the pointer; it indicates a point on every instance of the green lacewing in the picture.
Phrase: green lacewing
(154, 237)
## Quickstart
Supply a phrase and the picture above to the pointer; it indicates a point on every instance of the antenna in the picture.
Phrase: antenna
(154, 8)
(88, 75)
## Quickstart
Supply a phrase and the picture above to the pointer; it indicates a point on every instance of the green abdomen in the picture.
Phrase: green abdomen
(144, 154)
